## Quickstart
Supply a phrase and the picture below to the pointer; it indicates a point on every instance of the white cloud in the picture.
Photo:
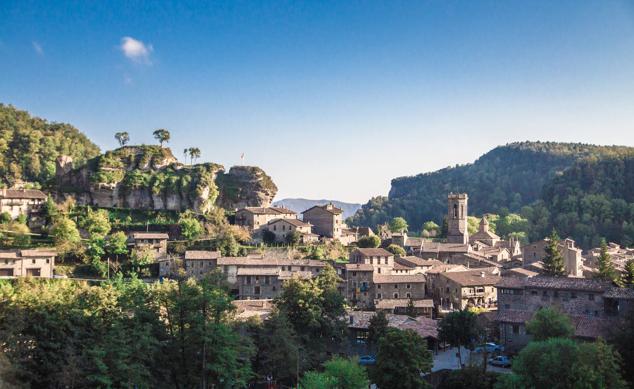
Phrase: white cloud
(39, 50)
(135, 50)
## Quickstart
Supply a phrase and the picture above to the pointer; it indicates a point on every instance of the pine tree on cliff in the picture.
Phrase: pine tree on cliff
(553, 261)
(162, 135)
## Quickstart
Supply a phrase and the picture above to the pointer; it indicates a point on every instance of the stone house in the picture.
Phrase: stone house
(359, 286)
(254, 218)
(18, 202)
(199, 262)
(32, 262)
(573, 261)
(618, 255)
(423, 308)
(381, 259)
(327, 220)
(470, 288)
(591, 304)
(152, 241)
(388, 286)
(282, 227)
(265, 282)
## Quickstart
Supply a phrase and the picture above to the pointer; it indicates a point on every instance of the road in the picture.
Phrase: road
(448, 359)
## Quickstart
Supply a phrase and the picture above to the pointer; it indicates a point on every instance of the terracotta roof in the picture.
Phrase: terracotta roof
(295, 222)
(328, 208)
(149, 235)
(287, 275)
(400, 266)
(373, 252)
(22, 194)
(397, 278)
(402, 303)
(444, 268)
(513, 316)
(268, 210)
(258, 271)
(246, 261)
(585, 326)
(426, 328)
(42, 252)
(546, 282)
(474, 277)
(437, 247)
(414, 241)
(201, 254)
(520, 271)
(418, 262)
(8, 254)
(619, 293)
(359, 267)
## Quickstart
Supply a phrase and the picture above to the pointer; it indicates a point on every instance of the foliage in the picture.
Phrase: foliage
(628, 276)
(293, 237)
(96, 223)
(278, 349)
(553, 261)
(162, 135)
(371, 241)
(339, 373)
(398, 224)
(190, 227)
(396, 250)
(607, 271)
(622, 337)
(18, 235)
(377, 328)
(468, 378)
(587, 365)
(268, 236)
(549, 323)
(29, 146)
(402, 357)
(65, 235)
(5, 217)
(430, 229)
(122, 137)
(459, 329)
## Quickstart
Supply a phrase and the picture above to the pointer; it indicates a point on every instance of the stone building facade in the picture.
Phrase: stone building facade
(468, 288)
(18, 202)
(199, 262)
(155, 242)
(255, 218)
(327, 220)
(457, 231)
(573, 261)
(33, 263)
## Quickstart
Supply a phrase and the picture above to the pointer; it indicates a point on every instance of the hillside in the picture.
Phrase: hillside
(29, 146)
(505, 179)
(150, 177)
(300, 205)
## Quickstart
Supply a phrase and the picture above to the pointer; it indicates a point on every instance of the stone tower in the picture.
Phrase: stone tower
(457, 231)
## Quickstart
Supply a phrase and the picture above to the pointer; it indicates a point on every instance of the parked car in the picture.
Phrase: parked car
(500, 361)
(367, 360)
(489, 348)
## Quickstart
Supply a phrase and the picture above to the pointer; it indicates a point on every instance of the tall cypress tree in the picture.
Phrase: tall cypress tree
(554, 261)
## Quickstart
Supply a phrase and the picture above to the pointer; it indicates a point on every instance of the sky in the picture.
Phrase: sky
(332, 99)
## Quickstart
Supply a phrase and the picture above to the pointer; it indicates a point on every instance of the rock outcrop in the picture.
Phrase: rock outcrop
(150, 177)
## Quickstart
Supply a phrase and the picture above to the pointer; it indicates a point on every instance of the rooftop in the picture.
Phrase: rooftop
(149, 235)
(397, 278)
(402, 303)
(547, 282)
(373, 252)
(201, 254)
(268, 210)
(426, 328)
(31, 194)
(326, 207)
(483, 276)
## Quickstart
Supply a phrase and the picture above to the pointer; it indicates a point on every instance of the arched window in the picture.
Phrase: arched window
(455, 211)
(461, 211)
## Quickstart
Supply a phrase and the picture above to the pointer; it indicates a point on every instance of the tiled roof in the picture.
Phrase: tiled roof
(445, 268)
(268, 210)
(201, 254)
(373, 252)
(426, 328)
(402, 303)
(418, 262)
(31, 194)
(619, 293)
(546, 282)
(258, 271)
(585, 326)
(328, 208)
(397, 278)
(287, 275)
(8, 255)
(400, 266)
(475, 277)
(247, 261)
(149, 235)
(438, 247)
(359, 267)
(520, 271)
(295, 222)
(41, 252)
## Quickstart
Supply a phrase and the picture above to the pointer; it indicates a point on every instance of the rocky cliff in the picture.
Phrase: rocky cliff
(150, 177)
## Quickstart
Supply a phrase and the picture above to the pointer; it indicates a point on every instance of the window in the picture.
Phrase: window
(354, 273)
(408, 286)
(533, 292)
(507, 306)
(33, 261)
(379, 270)
(590, 296)
(556, 294)
(378, 296)
(378, 286)
(573, 295)
(248, 279)
(266, 280)
(395, 286)
(455, 211)
(302, 268)
(256, 290)
(516, 329)
(395, 295)
(409, 295)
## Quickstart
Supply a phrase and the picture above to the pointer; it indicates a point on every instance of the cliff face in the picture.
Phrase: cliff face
(150, 177)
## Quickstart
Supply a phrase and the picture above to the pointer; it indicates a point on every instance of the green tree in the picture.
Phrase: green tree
(96, 223)
(5, 217)
(268, 237)
(293, 238)
(628, 276)
(194, 153)
(402, 357)
(117, 244)
(396, 250)
(398, 224)
(588, 365)
(459, 329)
(553, 261)
(95, 251)
(339, 373)
(410, 310)
(162, 135)
(122, 137)
(190, 227)
(377, 327)
(371, 241)
(607, 271)
(65, 235)
(430, 229)
(469, 378)
(549, 323)
(278, 350)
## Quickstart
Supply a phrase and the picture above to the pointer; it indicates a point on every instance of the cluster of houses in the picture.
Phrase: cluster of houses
(480, 270)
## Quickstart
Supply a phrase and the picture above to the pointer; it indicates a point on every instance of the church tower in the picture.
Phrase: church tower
(457, 231)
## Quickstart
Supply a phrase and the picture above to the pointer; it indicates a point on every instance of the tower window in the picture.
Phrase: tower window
(455, 211)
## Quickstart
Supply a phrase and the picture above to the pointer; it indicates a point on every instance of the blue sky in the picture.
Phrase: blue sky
(332, 99)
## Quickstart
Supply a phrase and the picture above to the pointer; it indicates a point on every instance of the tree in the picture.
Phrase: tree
(117, 244)
(122, 137)
(293, 237)
(5, 217)
(96, 223)
(377, 328)
(430, 229)
(402, 357)
(628, 276)
(468, 378)
(410, 310)
(339, 373)
(588, 365)
(398, 224)
(65, 235)
(268, 237)
(548, 323)
(194, 153)
(371, 241)
(607, 271)
(190, 227)
(396, 250)
(553, 261)
(278, 350)
(162, 135)
(459, 329)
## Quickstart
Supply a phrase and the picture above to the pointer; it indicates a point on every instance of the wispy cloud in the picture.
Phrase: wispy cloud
(136, 51)
(39, 50)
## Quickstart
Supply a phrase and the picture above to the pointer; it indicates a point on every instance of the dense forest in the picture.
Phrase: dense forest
(29, 146)
(529, 178)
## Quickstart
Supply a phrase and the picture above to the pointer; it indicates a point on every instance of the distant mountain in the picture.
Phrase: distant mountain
(300, 205)
(565, 182)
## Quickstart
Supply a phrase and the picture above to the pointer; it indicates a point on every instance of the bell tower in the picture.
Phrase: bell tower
(457, 231)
